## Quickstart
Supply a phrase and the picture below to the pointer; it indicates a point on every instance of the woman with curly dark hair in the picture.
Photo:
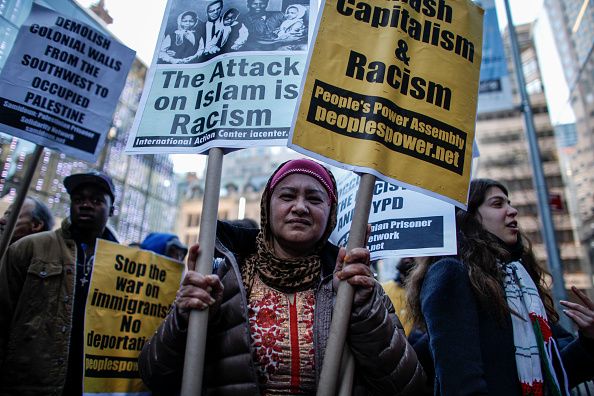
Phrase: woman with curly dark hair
(490, 319)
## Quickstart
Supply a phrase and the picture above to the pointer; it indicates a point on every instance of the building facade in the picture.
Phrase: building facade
(504, 156)
(572, 23)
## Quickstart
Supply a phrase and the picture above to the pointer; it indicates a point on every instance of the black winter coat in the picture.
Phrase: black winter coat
(472, 350)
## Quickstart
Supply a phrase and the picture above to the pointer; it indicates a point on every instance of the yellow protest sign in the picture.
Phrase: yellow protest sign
(392, 88)
(130, 293)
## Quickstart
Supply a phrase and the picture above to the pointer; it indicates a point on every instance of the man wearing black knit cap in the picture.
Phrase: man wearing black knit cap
(44, 282)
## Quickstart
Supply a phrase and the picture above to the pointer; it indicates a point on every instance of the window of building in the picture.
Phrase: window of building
(571, 265)
(534, 87)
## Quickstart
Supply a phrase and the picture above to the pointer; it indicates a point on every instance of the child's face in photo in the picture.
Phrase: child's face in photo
(291, 13)
(229, 19)
(187, 22)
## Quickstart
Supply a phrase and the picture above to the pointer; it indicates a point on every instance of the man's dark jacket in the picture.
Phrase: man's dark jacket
(37, 276)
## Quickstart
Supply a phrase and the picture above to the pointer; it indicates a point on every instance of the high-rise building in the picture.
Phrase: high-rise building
(504, 156)
(145, 187)
(572, 25)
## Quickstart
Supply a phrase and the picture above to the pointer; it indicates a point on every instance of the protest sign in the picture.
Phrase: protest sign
(403, 222)
(61, 83)
(495, 92)
(391, 90)
(130, 293)
(219, 80)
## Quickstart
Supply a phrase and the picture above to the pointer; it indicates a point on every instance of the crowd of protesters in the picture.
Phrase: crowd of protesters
(481, 322)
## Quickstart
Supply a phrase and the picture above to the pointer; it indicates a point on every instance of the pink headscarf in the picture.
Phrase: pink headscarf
(306, 167)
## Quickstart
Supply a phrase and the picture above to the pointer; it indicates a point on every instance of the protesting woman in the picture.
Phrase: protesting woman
(489, 318)
(270, 303)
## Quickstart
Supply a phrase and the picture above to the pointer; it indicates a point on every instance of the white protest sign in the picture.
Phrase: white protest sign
(223, 75)
(403, 222)
(61, 83)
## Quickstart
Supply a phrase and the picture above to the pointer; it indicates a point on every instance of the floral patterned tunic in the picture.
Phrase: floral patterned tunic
(281, 327)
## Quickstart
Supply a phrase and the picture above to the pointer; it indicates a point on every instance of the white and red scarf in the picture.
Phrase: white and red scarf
(536, 349)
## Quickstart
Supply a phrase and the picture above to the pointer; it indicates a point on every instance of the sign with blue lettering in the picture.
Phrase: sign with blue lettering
(403, 222)
(61, 83)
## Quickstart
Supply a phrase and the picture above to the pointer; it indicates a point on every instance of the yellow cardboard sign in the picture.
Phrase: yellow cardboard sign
(130, 293)
(392, 89)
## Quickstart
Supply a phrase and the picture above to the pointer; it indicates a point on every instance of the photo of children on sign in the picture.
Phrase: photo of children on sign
(225, 73)
(198, 31)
